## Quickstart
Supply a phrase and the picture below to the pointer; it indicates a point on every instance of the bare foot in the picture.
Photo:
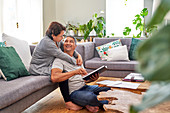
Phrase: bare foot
(72, 106)
(92, 109)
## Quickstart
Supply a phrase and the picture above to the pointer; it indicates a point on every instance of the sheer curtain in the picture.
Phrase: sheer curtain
(119, 16)
(23, 19)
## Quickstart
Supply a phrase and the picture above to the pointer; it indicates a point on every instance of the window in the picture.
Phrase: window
(22, 19)
(119, 16)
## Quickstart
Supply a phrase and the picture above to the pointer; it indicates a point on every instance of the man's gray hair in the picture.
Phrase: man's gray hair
(75, 40)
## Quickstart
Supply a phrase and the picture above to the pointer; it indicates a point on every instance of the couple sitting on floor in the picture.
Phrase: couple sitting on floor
(49, 59)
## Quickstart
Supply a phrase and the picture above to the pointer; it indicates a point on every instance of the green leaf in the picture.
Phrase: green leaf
(137, 16)
(157, 93)
(126, 31)
(144, 12)
(154, 56)
(95, 15)
(160, 13)
(112, 34)
(139, 35)
(100, 26)
(138, 25)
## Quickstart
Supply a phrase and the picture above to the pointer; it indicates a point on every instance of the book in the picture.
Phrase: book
(98, 70)
(134, 77)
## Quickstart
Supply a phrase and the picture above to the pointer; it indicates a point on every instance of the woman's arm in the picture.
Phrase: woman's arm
(49, 47)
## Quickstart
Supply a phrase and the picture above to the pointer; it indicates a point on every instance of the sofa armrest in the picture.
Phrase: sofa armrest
(86, 50)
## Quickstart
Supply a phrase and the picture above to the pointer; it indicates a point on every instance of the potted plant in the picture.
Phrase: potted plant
(82, 29)
(98, 24)
(140, 25)
(71, 29)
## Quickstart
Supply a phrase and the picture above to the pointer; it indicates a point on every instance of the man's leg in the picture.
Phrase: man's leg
(86, 99)
(96, 89)
(65, 92)
(83, 98)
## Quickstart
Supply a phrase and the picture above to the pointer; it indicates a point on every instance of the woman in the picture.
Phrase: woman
(48, 49)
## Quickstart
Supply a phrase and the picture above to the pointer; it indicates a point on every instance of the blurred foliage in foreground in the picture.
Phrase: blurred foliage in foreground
(154, 61)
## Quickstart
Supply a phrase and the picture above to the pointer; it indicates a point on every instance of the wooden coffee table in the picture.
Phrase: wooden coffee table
(121, 98)
(141, 88)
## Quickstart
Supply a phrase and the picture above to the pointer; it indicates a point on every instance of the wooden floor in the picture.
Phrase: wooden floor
(54, 103)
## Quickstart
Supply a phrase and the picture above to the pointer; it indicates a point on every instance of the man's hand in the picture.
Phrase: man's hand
(93, 78)
(79, 60)
(81, 71)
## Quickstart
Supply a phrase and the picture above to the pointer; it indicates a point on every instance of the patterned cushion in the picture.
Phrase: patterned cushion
(3, 44)
(102, 50)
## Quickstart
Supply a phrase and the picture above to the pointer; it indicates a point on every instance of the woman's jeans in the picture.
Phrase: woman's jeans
(87, 95)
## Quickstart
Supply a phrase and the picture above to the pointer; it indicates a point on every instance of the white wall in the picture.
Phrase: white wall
(75, 11)
(49, 13)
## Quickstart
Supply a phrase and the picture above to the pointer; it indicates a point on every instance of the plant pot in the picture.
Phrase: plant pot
(71, 32)
(92, 33)
(80, 33)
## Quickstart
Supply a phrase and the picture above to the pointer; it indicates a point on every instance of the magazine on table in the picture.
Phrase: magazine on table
(98, 70)
(134, 77)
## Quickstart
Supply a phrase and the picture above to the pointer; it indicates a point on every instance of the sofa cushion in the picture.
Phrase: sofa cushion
(2, 44)
(17, 89)
(102, 50)
(21, 47)
(118, 53)
(11, 64)
(101, 41)
(96, 62)
(133, 47)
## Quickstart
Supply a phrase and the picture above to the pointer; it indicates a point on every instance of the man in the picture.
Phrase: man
(81, 95)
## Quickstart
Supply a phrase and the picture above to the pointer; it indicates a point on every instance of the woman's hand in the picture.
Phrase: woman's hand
(79, 60)
(93, 78)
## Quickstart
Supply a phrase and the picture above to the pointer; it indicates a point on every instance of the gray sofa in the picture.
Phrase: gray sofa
(93, 61)
(18, 94)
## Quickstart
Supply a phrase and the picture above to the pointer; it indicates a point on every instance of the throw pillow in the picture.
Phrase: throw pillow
(11, 64)
(3, 44)
(118, 53)
(21, 47)
(133, 47)
(1, 73)
(102, 50)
